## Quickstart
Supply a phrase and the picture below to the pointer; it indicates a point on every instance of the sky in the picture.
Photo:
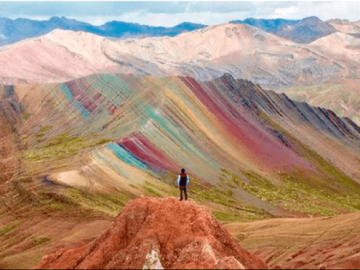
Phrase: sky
(170, 13)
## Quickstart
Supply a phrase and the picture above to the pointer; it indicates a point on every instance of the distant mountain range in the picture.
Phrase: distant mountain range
(239, 49)
(12, 31)
(302, 31)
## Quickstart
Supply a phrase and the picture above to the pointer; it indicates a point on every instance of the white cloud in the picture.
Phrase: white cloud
(323, 10)
(172, 13)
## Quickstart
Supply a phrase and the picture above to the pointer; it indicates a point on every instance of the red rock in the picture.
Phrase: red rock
(152, 231)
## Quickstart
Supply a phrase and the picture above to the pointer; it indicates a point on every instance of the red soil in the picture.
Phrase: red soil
(183, 234)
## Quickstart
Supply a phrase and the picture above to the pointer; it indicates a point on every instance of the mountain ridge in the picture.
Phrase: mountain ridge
(12, 31)
(306, 30)
(235, 48)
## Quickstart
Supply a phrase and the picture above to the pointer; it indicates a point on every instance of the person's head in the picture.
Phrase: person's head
(182, 170)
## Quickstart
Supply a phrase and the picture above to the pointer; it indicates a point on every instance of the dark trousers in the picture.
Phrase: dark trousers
(181, 193)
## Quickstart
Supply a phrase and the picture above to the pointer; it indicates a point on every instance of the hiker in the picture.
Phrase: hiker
(183, 182)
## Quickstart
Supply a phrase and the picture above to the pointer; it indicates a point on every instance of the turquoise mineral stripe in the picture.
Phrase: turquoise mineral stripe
(125, 156)
(83, 110)
(67, 92)
(169, 127)
(113, 89)
(101, 157)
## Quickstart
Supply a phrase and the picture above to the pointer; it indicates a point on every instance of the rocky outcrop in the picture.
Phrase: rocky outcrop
(158, 233)
(254, 99)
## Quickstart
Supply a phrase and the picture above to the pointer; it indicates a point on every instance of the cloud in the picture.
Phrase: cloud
(172, 13)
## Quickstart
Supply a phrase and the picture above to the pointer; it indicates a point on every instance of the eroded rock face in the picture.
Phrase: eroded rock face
(154, 233)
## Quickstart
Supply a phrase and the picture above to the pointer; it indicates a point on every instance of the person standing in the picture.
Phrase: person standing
(183, 182)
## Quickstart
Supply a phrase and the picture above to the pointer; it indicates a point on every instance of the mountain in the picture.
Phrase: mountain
(241, 50)
(12, 31)
(268, 25)
(147, 235)
(56, 57)
(78, 151)
(302, 31)
(134, 126)
(342, 96)
(345, 26)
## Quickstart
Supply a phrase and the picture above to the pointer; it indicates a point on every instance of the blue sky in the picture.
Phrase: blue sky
(174, 12)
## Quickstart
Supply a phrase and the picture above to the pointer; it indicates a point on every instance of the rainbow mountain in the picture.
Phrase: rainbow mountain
(263, 153)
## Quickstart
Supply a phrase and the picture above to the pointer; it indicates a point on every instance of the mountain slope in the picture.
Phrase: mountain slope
(118, 132)
(241, 50)
(44, 59)
(345, 26)
(12, 31)
(342, 95)
(316, 243)
(268, 25)
(85, 147)
(302, 31)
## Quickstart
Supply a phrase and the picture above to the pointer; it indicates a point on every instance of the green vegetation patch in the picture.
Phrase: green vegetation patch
(227, 201)
(25, 115)
(327, 177)
(296, 196)
(55, 202)
(107, 203)
(61, 146)
(227, 206)
(42, 133)
(39, 241)
(6, 229)
(225, 216)
(160, 189)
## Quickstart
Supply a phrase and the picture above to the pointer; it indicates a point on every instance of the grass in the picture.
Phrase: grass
(325, 191)
(55, 202)
(327, 176)
(25, 115)
(159, 190)
(220, 201)
(151, 192)
(42, 132)
(225, 216)
(6, 229)
(60, 146)
(107, 203)
(296, 196)
(25, 179)
(39, 241)
(226, 202)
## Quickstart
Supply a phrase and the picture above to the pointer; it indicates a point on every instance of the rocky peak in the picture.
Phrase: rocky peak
(158, 233)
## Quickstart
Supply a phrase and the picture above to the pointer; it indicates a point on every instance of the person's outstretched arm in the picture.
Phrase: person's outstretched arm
(187, 180)
(178, 180)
